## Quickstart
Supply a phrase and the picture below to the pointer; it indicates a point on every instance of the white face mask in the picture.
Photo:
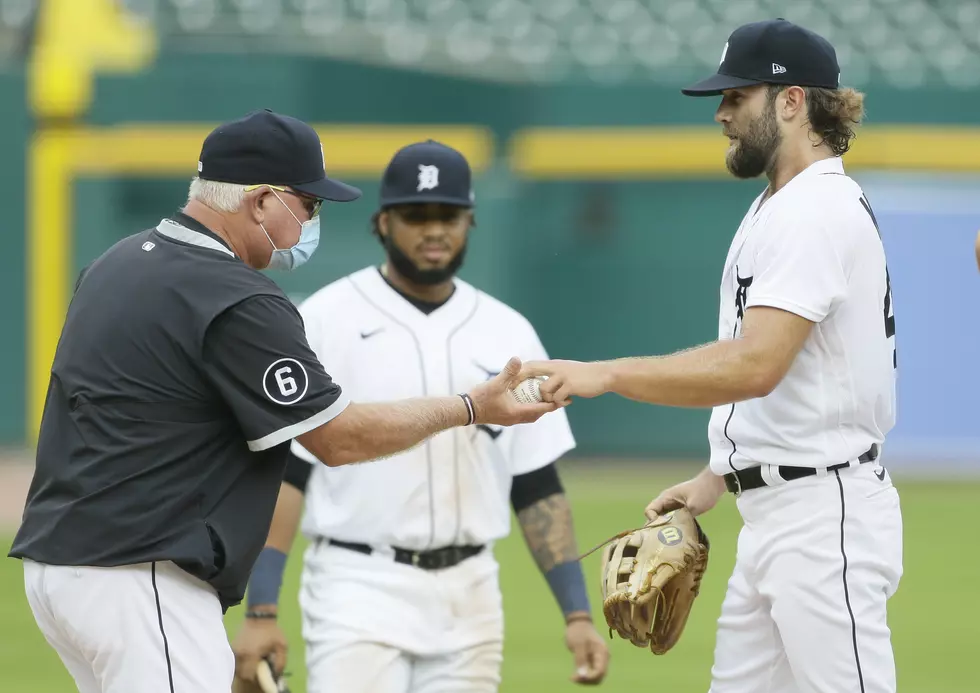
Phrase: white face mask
(309, 238)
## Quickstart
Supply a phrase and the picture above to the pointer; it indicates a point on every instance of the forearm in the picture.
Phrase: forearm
(266, 578)
(369, 431)
(713, 481)
(285, 520)
(706, 376)
(549, 533)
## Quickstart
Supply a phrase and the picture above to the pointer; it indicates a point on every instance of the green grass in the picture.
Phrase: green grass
(934, 617)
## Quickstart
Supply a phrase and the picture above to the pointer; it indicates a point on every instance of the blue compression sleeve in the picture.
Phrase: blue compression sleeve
(266, 579)
(568, 585)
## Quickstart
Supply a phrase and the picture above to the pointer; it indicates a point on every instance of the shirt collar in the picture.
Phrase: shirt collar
(192, 233)
(193, 224)
(834, 166)
(424, 306)
(826, 166)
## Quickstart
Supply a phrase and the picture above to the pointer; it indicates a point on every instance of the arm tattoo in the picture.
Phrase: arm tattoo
(548, 530)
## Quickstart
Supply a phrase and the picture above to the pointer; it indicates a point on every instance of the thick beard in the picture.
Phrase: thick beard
(412, 273)
(755, 151)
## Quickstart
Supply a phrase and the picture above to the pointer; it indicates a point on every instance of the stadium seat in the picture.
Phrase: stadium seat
(905, 43)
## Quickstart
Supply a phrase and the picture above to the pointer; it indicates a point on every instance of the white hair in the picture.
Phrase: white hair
(223, 197)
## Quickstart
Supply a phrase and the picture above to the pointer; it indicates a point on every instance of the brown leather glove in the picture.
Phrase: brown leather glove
(651, 577)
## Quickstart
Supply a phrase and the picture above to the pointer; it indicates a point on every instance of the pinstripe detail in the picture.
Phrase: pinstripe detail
(425, 393)
(166, 645)
(847, 594)
(452, 387)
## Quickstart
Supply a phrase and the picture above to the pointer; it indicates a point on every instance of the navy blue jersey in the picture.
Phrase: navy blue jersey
(180, 377)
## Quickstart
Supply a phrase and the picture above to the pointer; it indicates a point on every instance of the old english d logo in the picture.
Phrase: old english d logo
(741, 294)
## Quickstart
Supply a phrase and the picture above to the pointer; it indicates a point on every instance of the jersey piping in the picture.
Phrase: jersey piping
(297, 429)
(729, 420)
(449, 368)
(425, 393)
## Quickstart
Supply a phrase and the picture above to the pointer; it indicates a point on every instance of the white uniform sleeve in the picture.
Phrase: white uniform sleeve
(538, 444)
(799, 266)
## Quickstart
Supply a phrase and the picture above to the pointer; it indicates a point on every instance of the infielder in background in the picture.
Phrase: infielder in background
(181, 376)
(399, 586)
(802, 381)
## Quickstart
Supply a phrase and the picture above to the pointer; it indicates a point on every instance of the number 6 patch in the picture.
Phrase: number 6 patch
(285, 381)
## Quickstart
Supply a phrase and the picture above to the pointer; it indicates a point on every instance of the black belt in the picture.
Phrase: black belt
(433, 559)
(748, 479)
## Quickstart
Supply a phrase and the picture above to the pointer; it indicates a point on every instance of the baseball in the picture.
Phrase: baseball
(528, 391)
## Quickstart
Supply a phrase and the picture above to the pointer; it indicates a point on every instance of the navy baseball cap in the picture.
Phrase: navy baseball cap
(427, 172)
(266, 147)
(774, 51)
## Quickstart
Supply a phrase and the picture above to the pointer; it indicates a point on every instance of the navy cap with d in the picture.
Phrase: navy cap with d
(268, 148)
(427, 172)
(772, 52)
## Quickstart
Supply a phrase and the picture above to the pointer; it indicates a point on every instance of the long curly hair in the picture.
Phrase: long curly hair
(834, 114)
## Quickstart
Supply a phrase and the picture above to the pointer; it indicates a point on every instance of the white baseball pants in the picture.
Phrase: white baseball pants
(375, 626)
(805, 610)
(146, 628)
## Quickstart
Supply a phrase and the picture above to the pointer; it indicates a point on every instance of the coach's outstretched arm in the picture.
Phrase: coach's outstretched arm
(370, 431)
(710, 375)
(257, 356)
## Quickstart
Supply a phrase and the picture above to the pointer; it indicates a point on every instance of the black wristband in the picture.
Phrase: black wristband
(568, 585)
(266, 578)
(470, 409)
(261, 614)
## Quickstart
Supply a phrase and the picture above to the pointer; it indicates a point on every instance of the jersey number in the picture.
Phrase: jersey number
(889, 311)
(287, 384)
(285, 381)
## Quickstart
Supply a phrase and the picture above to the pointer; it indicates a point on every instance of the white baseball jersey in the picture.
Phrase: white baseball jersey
(455, 487)
(813, 249)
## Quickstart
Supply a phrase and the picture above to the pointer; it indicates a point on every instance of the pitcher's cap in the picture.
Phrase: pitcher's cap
(774, 51)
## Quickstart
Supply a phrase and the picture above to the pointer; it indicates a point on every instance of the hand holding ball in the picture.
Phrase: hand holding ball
(508, 398)
(529, 391)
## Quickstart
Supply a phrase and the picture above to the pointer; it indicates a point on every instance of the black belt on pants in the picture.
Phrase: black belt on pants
(748, 479)
(433, 559)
